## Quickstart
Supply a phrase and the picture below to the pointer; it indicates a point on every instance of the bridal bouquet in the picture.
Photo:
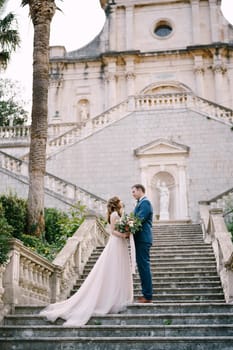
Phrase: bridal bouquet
(129, 223)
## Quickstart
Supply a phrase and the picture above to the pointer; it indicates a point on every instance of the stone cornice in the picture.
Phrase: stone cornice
(206, 49)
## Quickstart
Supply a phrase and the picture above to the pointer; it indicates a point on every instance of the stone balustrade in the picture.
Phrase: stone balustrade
(13, 164)
(22, 132)
(19, 133)
(215, 232)
(59, 186)
(29, 279)
(143, 103)
(64, 134)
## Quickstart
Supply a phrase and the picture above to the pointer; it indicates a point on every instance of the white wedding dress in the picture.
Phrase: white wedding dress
(107, 289)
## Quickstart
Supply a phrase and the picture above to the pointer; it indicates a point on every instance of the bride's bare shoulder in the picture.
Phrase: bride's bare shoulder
(114, 215)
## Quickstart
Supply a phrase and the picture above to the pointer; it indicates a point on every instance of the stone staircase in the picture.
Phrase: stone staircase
(189, 311)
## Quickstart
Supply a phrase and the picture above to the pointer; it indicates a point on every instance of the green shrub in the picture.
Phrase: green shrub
(5, 235)
(53, 217)
(59, 226)
(71, 223)
(40, 246)
(15, 212)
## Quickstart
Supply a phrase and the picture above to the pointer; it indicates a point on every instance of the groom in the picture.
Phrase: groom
(143, 241)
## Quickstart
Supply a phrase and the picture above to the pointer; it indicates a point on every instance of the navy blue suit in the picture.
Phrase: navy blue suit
(143, 242)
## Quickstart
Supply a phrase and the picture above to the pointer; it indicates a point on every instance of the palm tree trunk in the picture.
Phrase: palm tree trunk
(41, 13)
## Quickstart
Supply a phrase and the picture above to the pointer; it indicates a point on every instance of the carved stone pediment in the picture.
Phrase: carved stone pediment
(161, 147)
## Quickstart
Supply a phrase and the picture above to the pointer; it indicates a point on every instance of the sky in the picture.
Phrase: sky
(73, 27)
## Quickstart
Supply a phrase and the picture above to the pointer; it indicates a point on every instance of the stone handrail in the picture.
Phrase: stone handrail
(185, 100)
(29, 279)
(64, 134)
(143, 103)
(223, 200)
(26, 279)
(19, 132)
(87, 128)
(22, 132)
(67, 190)
(216, 233)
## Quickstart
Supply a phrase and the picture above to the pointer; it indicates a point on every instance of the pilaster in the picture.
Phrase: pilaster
(112, 29)
(111, 79)
(199, 75)
(130, 76)
(129, 13)
(195, 21)
(214, 25)
(219, 71)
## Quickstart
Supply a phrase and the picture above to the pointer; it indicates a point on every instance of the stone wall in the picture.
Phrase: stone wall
(105, 163)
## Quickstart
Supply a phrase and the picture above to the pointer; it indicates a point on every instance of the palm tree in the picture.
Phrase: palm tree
(41, 12)
(9, 36)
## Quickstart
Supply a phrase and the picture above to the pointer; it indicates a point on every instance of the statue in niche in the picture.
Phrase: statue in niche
(83, 112)
(164, 200)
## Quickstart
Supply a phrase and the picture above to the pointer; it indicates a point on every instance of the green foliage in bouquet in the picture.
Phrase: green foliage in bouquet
(129, 223)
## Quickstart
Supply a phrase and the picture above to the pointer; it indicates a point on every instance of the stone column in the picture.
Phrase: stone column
(199, 75)
(129, 13)
(195, 21)
(214, 25)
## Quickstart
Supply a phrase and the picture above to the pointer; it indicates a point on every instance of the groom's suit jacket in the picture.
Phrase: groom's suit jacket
(144, 211)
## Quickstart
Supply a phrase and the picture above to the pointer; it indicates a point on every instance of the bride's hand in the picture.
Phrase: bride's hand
(126, 235)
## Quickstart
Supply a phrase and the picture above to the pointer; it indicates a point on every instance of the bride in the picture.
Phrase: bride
(108, 287)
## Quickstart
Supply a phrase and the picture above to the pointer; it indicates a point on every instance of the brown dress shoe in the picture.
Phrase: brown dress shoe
(143, 300)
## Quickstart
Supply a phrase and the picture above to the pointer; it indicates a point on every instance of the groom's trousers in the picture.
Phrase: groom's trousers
(143, 264)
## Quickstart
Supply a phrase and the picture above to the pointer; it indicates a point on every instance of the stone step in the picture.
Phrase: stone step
(156, 258)
(165, 319)
(195, 239)
(119, 343)
(174, 291)
(180, 274)
(174, 228)
(185, 297)
(202, 308)
(188, 249)
(171, 264)
(194, 255)
(173, 285)
(179, 245)
(141, 330)
(152, 309)
(169, 271)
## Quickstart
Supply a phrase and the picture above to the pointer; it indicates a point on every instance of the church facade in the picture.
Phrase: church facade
(149, 101)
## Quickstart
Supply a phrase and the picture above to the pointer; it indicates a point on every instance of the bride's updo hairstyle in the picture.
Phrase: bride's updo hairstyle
(114, 204)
